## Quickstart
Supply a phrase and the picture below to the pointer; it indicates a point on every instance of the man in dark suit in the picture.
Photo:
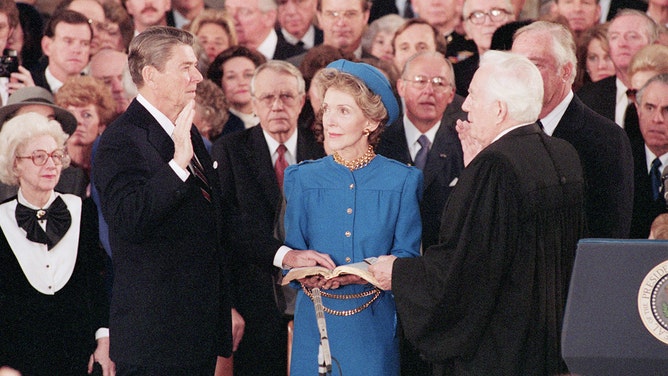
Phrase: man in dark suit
(651, 156)
(628, 33)
(604, 149)
(66, 42)
(170, 311)
(490, 297)
(295, 24)
(432, 108)
(427, 89)
(248, 163)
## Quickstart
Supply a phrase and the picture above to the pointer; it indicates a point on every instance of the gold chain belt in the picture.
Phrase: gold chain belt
(375, 292)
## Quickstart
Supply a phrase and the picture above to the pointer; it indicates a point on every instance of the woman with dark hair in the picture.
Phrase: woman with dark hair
(54, 311)
(593, 55)
(233, 70)
(26, 38)
(350, 206)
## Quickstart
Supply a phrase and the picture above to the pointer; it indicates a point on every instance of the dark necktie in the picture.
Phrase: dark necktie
(280, 165)
(421, 156)
(655, 176)
(197, 170)
(408, 10)
(58, 221)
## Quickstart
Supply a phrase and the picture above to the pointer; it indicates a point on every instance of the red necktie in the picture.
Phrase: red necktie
(280, 165)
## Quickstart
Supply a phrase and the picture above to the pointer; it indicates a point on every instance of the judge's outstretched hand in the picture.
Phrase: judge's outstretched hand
(382, 270)
(183, 147)
(470, 146)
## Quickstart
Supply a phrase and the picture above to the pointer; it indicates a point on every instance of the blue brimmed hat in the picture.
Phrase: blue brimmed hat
(374, 80)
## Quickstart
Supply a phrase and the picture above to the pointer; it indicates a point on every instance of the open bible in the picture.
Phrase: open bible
(360, 269)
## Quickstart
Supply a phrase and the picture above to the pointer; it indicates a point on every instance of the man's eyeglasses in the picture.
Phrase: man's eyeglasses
(288, 99)
(39, 157)
(438, 83)
(495, 15)
(345, 14)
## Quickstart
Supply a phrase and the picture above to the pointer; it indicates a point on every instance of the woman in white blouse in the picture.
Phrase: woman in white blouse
(53, 305)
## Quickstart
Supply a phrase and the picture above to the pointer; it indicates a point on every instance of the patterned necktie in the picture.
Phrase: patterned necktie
(421, 156)
(198, 171)
(58, 222)
(655, 176)
(280, 165)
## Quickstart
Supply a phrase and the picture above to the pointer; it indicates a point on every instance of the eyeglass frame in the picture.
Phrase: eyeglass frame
(347, 15)
(480, 20)
(438, 83)
(285, 98)
(57, 160)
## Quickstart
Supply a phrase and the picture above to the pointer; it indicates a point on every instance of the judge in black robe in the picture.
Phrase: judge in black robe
(489, 299)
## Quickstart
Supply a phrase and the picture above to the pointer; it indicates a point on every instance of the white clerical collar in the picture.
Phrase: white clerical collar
(54, 83)
(308, 39)
(268, 46)
(551, 120)
(161, 118)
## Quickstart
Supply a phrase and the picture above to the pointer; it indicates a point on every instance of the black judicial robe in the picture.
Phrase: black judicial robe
(489, 299)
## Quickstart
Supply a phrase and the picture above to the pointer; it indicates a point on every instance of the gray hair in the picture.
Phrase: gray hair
(563, 44)
(652, 30)
(280, 66)
(267, 5)
(389, 23)
(517, 82)
(661, 78)
(154, 47)
(436, 54)
(16, 132)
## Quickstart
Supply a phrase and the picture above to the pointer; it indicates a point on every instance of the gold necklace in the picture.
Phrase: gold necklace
(356, 163)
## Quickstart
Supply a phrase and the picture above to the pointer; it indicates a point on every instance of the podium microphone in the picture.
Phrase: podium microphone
(664, 184)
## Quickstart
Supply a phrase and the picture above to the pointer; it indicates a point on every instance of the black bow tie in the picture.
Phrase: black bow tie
(58, 222)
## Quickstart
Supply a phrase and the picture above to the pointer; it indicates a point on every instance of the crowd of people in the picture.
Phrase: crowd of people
(163, 163)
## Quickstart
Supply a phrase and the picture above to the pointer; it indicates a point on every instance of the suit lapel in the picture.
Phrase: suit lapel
(266, 176)
(155, 134)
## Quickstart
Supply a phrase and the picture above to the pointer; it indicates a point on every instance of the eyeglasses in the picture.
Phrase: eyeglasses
(438, 83)
(495, 15)
(39, 157)
(288, 99)
(347, 15)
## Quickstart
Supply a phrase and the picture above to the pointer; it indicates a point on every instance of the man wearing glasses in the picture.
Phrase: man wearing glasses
(481, 19)
(250, 167)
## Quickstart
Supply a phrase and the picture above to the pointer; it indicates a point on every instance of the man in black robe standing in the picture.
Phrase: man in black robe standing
(489, 298)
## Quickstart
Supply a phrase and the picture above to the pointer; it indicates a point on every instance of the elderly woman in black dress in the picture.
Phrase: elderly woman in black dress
(53, 306)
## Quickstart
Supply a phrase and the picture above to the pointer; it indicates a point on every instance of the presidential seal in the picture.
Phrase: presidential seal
(653, 302)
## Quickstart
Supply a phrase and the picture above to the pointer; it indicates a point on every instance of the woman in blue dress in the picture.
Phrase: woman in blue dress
(342, 209)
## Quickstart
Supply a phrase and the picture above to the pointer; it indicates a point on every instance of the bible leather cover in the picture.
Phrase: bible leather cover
(616, 319)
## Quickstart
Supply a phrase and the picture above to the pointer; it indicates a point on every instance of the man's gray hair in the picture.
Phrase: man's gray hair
(651, 28)
(280, 66)
(154, 47)
(563, 44)
(661, 78)
(517, 82)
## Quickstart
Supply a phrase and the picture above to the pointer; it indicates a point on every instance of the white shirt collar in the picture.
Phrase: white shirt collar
(551, 120)
(621, 102)
(308, 39)
(161, 118)
(506, 131)
(179, 19)
(249, 120)
(649, 158)
(290, 144)
(268, 46)
(605, 9)
(54, 83)
(412, 135)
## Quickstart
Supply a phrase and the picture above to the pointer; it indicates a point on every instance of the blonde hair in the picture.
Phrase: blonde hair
(16, 132)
